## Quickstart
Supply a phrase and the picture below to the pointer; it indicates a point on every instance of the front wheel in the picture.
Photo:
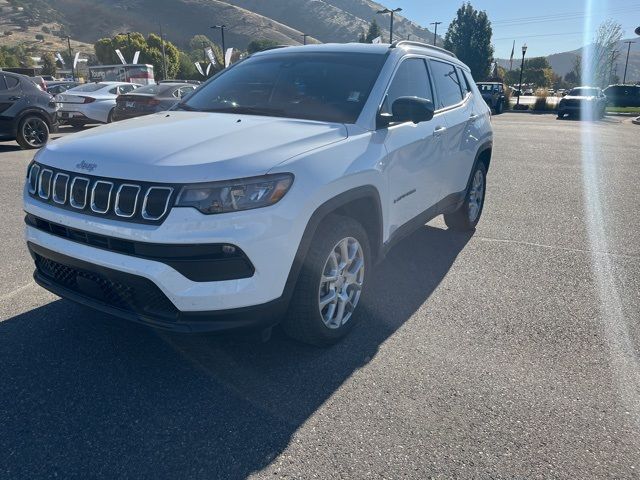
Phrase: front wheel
(468, 215)
(33, 132)
(330, 284)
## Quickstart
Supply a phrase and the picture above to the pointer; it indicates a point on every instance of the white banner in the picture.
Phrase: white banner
(136, 56)
(199, 68)
(377, 40)
(120, 56)
(227, 57)
(209, 68)
(59, 57)
(75, 59)
(210, 55)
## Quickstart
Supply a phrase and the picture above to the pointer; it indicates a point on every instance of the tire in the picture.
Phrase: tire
(499, 108)
(468, 215)
(306, 320)
(33, 132)
(110, 116)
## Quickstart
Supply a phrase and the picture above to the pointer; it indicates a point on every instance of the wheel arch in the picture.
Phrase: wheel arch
(362, 204)
(33, 111)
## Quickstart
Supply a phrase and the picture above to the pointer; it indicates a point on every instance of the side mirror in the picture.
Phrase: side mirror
(412, 109)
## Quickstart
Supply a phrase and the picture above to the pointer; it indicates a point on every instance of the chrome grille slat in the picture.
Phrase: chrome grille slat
(111, 198)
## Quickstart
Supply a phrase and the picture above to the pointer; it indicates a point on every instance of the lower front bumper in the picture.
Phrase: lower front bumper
(138, 299)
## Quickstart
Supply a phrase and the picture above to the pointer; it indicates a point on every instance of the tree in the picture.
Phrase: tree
(469, 37)
(150, 52)
(259, 45)
(362, 38)
(197, 44)
(574, 77)
(373, 32)
(600, 56)
(49, 64)
(187, 69)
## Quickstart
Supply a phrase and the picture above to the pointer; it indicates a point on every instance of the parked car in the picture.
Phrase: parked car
(27, 114)
(40, 82)
(91, 102)
(623, 95)
(589, 102)
(150, 99)
(528, 92)
(268, 194)
(493, 94)
(54, 88)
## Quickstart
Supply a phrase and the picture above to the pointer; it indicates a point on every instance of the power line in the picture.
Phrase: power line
(563, 16)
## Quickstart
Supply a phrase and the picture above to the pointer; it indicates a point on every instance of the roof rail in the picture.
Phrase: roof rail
(423, 45)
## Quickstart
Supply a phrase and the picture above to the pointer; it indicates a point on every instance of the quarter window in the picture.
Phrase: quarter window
(411, 80)
(447, 83)
(12, 82)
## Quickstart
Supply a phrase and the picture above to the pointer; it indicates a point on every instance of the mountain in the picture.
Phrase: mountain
(283, 21)
(562, 63)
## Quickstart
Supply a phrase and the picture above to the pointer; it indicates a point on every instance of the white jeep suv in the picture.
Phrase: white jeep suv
(268, 195)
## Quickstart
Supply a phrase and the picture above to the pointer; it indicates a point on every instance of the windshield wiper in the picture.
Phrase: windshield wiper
(269, 112)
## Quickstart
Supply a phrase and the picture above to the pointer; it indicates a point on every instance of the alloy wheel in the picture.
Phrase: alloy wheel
(341, 282)
(35, 132)
(476, 196)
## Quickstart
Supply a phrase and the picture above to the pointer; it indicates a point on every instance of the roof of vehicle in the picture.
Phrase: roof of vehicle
(488, 83)
(380, 48)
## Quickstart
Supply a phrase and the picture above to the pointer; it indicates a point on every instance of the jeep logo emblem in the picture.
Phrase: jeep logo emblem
(89, 167)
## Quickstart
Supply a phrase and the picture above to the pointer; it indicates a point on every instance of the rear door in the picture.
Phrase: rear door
(459, 111)
(10, 95)
(414, 151)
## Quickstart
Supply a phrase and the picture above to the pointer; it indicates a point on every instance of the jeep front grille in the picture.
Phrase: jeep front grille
(139, 202)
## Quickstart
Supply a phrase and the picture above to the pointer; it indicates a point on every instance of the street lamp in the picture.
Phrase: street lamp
(524, 51)
(224, 50)
(386, 10)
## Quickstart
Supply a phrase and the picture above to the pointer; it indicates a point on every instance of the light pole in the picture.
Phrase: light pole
(435, 31)
(164, 57)
(224, 50)
(304, 38)
(386, 10)
(71, 58)
(624, 81)
(524, 51)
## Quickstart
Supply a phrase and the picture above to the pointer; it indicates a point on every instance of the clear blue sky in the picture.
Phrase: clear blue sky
(547, 26)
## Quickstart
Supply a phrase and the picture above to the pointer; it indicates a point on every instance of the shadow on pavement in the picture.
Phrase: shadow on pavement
(11, 147)
(84, 394)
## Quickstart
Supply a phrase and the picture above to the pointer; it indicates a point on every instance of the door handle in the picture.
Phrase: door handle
(15, 98)
(439, 131)
(473, 117)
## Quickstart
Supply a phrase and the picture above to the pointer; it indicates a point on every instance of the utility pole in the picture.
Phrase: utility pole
(164, 56)
(71, 58)
(386, 10)
(613, 62)
(435, 31)
(224, 50)
(304, 38)
(624, 81)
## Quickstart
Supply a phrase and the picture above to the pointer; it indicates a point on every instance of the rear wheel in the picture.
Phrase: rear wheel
(330, 284)
(111, 114)
(33, 132)
(468, 215)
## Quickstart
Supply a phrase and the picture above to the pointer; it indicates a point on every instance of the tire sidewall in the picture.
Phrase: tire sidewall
(479, 167)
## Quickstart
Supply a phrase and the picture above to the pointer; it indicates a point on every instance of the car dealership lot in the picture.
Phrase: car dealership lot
(511, 353)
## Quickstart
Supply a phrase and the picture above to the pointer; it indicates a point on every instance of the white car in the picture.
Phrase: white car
(91, 102)
(267, 195)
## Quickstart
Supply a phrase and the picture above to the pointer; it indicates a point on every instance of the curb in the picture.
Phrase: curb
(636, 121)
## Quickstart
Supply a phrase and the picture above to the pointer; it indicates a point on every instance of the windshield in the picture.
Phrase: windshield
(488, 87)
(154, 89)
(331, 87)
(89, 87)
(584, 92)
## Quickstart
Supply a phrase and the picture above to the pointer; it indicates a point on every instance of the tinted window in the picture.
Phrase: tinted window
(90, 87)
(321, 86)
(411, 80)
(3, 86)
(126, 88)
(12, 82)
(464, 83)
(447, 83)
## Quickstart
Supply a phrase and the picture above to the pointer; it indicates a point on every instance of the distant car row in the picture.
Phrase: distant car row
(30, 108)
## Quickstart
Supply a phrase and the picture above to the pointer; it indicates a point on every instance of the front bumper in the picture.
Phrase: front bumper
(137, 299)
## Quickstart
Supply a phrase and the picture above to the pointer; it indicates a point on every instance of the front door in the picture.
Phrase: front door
(10, 94)
(414, 151)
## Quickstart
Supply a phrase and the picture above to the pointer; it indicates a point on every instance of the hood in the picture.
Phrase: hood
(579, 97)
(188, 146)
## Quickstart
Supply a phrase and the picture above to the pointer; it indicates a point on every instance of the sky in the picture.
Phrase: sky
(546, 26)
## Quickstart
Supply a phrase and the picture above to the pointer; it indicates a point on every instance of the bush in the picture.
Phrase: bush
(40, 37)
(8, 33)
(541, 100)
(46, 29)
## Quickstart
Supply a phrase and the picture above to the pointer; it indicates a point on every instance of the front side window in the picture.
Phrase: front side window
(411, 80)
(324, 86)
(447, 83)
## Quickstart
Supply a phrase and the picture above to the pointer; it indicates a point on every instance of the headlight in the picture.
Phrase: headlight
(235, 195)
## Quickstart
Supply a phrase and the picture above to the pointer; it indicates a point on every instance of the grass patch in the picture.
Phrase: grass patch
(635, 110)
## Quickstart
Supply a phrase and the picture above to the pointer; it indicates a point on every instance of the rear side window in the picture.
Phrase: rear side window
(12, 82)
(464, 83)
(411, 80)
(447, 83)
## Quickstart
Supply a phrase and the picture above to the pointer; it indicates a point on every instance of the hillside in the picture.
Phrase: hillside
(282, 21)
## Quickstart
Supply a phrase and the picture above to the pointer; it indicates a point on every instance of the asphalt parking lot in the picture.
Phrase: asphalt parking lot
(509, 353)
